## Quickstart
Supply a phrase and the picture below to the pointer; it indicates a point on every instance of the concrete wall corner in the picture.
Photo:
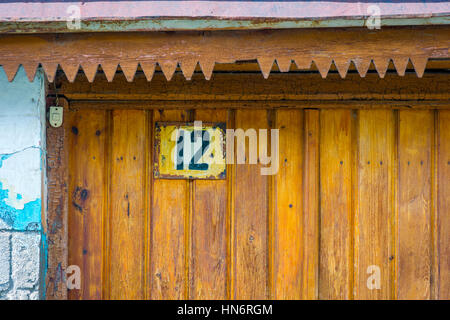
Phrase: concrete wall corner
(22, 187)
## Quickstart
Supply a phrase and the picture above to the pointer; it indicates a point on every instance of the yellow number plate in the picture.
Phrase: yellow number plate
(190, 150)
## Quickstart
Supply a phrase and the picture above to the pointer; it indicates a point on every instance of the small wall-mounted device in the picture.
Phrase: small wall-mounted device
(56, 116)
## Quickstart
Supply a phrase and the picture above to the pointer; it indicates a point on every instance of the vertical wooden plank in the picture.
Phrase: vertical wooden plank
(167, 253)
(415, 143)
(127, 216)
(208, 230)
(87, 142)
(335, 199)
(106, 292)
(250, 219)
(169, 212)
(372, 219)
(311, 206)
(230, 227)
(395, 207)
(443, 210)
(57, 206)
(434, 213)
(148, 192)
(288, 237)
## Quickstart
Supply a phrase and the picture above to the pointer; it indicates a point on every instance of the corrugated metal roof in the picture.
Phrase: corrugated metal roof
(118, 15)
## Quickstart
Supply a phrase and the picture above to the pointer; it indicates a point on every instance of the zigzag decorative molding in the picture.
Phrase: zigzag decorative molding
(303, 47)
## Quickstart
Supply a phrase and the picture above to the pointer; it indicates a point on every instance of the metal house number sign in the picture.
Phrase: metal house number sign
(190, 150)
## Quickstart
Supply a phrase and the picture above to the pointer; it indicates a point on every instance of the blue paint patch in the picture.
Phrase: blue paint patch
(3, 157)
(29, 218)
(43, 265)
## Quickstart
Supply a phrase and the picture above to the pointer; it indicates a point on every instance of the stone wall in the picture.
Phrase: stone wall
(22, 181)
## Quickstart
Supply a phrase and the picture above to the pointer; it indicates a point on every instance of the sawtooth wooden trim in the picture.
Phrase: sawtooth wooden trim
(324, 47)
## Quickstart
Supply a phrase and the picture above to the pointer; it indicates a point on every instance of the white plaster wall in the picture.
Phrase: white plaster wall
(22, 171)
(21, 139)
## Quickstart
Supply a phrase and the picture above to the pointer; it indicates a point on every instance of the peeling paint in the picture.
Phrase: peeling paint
(43, 266)
(22, 188)
(21, 155)
(28, 218)
(206, 24)
(22, 167)
(51, 16)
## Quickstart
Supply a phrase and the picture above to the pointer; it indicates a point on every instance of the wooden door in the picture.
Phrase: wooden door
(357, 192)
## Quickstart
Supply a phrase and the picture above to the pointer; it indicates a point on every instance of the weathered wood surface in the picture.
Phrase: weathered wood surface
(208, 255)
(169, 230)
(374, 201)
(250, 219)
(87, 133)
(288, 238)
(441, 253)
(311, 212)
(341, 201)
(57, 208)
(336, 216)
(416, 132)
(301, 46)
(247, 89)
(127, 205)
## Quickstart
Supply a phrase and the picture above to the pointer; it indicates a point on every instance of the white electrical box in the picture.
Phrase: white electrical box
(56, 116)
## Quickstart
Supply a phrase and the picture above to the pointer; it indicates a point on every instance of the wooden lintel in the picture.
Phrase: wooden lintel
(301, 47)
(255, 104)
(244, 87)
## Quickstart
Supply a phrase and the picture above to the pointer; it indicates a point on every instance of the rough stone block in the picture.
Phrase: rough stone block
(5, 261)
(25, 259)
(18, 294)
(4, 225)
(34, 295)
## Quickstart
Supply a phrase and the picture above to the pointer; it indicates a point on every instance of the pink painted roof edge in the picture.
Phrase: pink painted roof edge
(129, 10)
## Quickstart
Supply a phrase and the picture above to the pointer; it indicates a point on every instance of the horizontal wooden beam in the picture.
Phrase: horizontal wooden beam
(252, 66)
(323, 47)
(208, 24)
(252, 104)
(253, 87)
